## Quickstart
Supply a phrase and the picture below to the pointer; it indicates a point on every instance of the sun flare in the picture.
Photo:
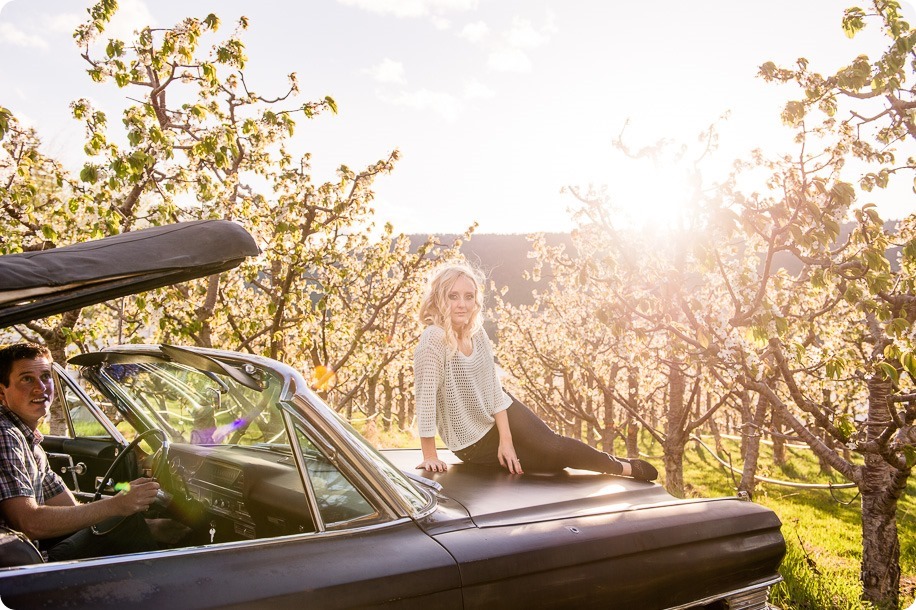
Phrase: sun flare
(649, 194)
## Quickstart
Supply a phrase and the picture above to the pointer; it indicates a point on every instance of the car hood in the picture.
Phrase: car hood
(494, 498)
(38, 284)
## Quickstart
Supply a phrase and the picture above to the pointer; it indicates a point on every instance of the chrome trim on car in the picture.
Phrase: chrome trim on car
(743, 598)
(63, 378)
(192, 550)
(383, 497)
(437, 487)
(304, 477)
(330, 433)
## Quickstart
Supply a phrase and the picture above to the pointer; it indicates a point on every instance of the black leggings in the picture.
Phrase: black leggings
(539, 448)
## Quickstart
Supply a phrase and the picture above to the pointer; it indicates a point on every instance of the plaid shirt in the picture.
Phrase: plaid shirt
(24, 469)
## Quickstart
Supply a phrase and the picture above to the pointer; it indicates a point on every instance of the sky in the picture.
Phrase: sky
(494, 105)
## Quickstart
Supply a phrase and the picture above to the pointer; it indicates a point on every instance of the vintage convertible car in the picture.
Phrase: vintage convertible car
(275, 501)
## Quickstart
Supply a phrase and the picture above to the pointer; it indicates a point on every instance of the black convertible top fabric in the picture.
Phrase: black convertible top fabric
(39, 284)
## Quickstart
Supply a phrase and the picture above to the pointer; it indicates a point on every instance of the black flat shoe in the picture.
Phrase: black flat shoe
(642, 470)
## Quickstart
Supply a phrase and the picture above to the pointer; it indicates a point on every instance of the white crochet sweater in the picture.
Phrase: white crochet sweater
(456, 395)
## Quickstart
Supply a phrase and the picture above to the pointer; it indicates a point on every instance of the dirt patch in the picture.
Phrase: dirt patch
(907, 591)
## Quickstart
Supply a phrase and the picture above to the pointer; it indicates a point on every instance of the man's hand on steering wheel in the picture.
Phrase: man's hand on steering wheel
(139, 494)
(136, 496)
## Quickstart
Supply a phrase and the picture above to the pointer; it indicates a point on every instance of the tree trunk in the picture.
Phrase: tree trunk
(371, 398)
(716, 435)
(880, 545)
(388, 392)
(825, 467)
(828, 440)
(752, 446)
(779, 442)
(881, 487)
(632, 427)
(403, 404)
(675, 436)
(632, 437)
(608, 432)
(747, 422)
(56, 340)
(205, 312)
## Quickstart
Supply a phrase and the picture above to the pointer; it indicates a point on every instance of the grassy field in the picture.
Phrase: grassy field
(822, 528)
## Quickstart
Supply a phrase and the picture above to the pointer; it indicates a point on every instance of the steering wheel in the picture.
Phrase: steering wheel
(160, 460)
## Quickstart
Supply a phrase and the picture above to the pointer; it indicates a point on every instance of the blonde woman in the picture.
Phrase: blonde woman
(458, 393)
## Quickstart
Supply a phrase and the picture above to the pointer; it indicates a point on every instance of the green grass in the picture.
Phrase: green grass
(822, 530)
(394, 437)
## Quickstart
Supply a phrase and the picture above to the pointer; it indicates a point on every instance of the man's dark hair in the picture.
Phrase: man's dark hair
(19, 351)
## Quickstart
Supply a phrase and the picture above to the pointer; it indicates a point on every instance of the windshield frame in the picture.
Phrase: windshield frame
(391, 490)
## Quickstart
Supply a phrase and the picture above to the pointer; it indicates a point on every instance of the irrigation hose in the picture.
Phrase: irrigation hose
(830, 486)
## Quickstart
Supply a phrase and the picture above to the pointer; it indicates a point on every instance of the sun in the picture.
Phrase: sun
(651, 194)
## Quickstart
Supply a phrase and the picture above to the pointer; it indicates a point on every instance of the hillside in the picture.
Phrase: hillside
(504, 259)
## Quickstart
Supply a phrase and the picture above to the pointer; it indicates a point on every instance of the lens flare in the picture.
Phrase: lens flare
(323, 378)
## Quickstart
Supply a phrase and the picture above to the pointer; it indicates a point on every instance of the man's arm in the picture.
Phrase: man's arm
(64, 498)
(63, 515)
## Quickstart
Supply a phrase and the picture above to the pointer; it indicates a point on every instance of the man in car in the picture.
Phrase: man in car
(33, 498)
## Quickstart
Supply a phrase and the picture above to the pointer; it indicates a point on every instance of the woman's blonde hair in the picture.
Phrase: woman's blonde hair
(434, 307)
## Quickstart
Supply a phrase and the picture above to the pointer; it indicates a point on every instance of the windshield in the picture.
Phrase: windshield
(194, 406)
(418, 501)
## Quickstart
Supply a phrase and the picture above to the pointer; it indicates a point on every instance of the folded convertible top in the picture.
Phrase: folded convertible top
(38, 284)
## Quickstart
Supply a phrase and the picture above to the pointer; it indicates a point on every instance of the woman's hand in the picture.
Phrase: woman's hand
(506, 451)
(433, 464)
(507, 457)
(431, 459)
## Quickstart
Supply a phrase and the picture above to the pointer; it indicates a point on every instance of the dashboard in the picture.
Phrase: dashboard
(227, 493)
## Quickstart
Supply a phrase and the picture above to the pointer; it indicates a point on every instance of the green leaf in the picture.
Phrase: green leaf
(853, 294)
(853, 21)
(889, 371)
(793, 113)
(48, 232)
(782, 325)
(89, 174)
(897, 327)
(115, 48)
(909, 452)
(908, 360)
(844, 192)
(891, 352)
(702, 338)
(845, 425)
(835, 367)
(5, 116)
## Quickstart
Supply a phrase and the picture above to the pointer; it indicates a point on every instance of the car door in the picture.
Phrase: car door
(394, 565)
(356, 556)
